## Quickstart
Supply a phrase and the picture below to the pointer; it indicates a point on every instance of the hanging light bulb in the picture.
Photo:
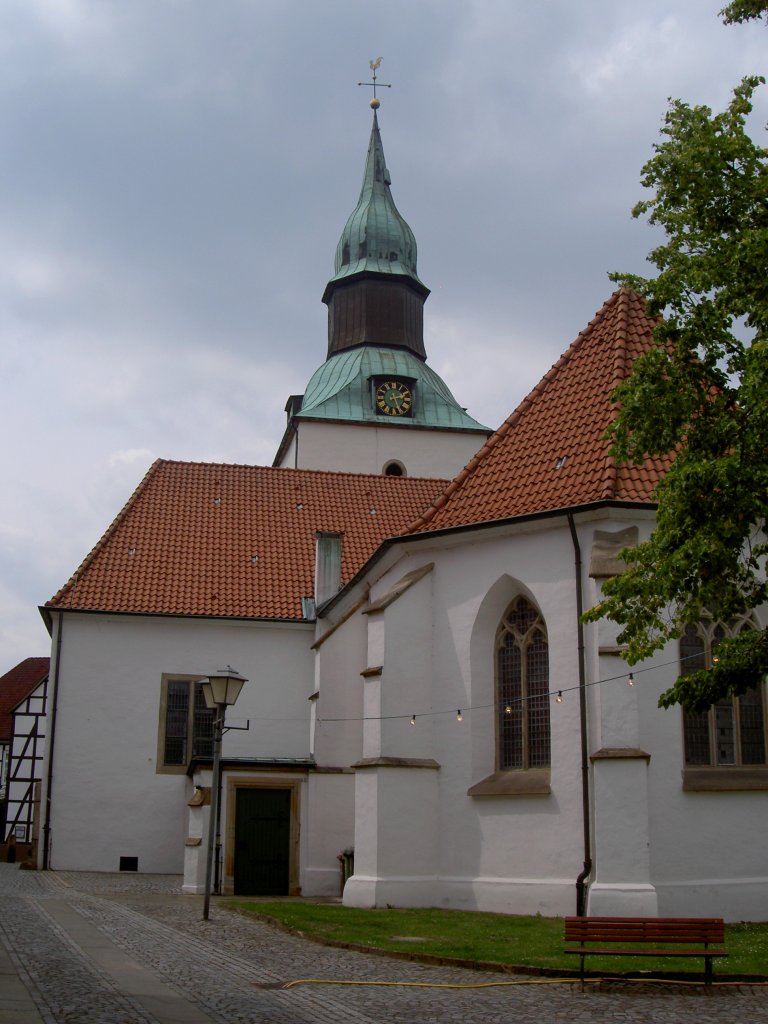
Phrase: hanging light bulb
(631, 679)
(413, 719)
(459, 716)
(715, 659)
(508, 709)
(559, 697)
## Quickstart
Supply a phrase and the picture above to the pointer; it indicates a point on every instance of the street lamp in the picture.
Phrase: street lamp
(220, 689)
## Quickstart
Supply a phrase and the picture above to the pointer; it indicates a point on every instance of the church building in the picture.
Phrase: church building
(426, 722)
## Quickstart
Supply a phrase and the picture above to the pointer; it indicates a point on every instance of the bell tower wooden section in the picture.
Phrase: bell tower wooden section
(372, 311)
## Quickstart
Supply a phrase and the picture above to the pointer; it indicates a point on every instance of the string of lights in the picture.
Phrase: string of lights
(558, 696)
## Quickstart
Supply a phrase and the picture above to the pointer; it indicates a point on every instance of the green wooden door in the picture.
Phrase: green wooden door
(262, 841)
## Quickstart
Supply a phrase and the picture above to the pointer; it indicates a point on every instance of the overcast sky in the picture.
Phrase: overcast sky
(174, 176)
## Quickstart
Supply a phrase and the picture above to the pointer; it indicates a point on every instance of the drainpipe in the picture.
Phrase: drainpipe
(581, 886)
(50, 740)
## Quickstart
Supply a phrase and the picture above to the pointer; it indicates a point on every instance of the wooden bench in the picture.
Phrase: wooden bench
(619, 936)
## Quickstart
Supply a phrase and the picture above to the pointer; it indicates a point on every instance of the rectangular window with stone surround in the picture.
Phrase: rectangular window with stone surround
(186, 724)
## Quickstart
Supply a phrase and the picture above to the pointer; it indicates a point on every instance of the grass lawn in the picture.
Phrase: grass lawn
(499, 938)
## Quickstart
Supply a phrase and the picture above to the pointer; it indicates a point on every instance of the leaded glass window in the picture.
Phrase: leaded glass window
(188, 723)
(732, 731)
(522, 688)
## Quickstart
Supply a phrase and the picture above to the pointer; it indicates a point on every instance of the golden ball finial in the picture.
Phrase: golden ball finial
(375, 104)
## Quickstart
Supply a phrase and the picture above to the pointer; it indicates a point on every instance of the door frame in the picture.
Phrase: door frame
(263, 782)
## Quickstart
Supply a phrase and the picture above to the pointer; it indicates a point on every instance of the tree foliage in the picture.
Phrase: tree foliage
(701, 392)
(744, 10)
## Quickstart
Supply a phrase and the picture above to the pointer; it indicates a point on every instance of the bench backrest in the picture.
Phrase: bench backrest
(645, 929)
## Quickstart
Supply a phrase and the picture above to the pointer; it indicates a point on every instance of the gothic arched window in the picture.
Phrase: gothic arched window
(732, 731)
(522, 688)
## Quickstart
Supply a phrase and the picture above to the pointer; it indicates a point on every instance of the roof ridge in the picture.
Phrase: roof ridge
(71, 585)
(26, 665)
(513, 419)
(620, 353)
(632, 304)
(297, 471)
(346, 474)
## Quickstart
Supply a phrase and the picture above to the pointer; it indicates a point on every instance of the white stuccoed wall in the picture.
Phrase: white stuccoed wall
(367, 449)
(511, 853)
(656, 848)
(707, 849)
(329, 830)
(418, 836)
(336, 745)
(108, 800)
(396, 805)
(621, 846)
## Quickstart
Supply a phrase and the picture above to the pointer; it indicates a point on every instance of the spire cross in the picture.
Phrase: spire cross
(374, 66)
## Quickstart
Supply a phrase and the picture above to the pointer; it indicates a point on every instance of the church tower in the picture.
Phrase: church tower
(374, 406)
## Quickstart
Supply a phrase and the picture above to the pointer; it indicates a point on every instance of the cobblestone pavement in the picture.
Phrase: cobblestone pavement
(130, 949)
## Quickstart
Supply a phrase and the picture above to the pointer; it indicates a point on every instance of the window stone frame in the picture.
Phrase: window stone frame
(161, 767)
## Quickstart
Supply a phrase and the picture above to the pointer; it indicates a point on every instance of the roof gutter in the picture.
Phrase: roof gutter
(371, 421)
(47, 610)
(293, 764)
(581, 884)
(530, 517)
(45, 615)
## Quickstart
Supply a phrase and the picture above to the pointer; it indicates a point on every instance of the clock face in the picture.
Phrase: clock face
(393, 398)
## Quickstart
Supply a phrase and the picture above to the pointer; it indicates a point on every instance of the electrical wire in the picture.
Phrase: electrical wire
(557, 694)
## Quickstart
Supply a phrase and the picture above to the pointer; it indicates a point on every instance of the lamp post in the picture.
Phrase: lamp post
(220, 689)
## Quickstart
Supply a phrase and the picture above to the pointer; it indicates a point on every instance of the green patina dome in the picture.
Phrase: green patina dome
(340, 390)
(376, 238)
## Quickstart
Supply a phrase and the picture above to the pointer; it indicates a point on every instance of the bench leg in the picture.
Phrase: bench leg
(582, 972)
(707, 970)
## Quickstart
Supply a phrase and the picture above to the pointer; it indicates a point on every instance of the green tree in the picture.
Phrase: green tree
(702, 392)
(744, 10)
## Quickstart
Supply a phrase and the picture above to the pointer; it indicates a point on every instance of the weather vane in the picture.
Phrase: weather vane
(374, 66)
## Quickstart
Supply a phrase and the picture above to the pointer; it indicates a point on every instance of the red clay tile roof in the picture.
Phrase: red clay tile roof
(14, 687)
(520, 470)
(236, 541)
